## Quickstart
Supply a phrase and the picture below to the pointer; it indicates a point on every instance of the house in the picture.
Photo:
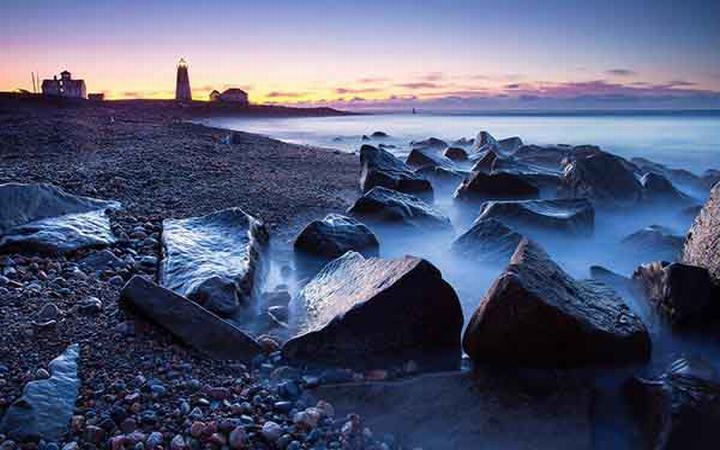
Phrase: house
(232, 95)
(96, 97)
(64, 87)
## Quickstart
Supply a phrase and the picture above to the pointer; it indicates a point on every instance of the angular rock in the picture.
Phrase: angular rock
(574, 216)
(188, 321)
(680, 409)
(485, 140)
(550, 157)
(487, 240)
(422, 157)
(601, 177)
(386, 205)
(537, 315)
(334, 236)
(456, 154)
(685, 294)
(658, 188)
(481, 186)
(702, 244)
(442, 175)
(431, 142)
(381, 168)
(679, 176)
(46, 406)
(359, 310)
(485, 162)
(99, 261)
(215, 260)
(656, 242)
(45, 219)
(510, 145)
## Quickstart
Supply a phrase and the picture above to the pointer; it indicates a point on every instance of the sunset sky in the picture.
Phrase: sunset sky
(378, 54)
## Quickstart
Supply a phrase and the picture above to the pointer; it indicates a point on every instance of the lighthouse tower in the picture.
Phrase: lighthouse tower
(182, 86)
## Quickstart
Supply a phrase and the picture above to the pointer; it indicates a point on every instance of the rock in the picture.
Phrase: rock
(238, 438)
(657, 188)
(485, 162)
(535, 314)
(334, 236)
(44, 218)
(456, 154)
(99, 261)
(90, 305)
(48, 312)
(215, 260)
(442, 175)
(271, 431)
(487, 240)
(681, 408)
(702, 244)
(510, 145)
(677, 176)
(573, 216)
(386, 205)
(482, 186)
(46, 406)
(600, 177)
(190, 322)
(379, 135)
(381, 168)
(685, 294)
(484, 139)
(358, 310)
(431, 142)
(550, 157)
(422, 157)
(655, 242)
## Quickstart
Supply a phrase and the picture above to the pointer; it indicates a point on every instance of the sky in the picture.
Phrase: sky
(370, 54)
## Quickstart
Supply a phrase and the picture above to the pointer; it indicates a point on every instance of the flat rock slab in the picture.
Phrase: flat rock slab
(464, 411)
(359, 310)
(573, 216)
(46, 406)
(188, 321)
(481, 186)
(389, 206)
(381, 168)
(535, 314)
(45, 219)
(215, 260)
(702, 245)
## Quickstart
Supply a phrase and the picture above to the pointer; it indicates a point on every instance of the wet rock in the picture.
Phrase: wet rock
(485, 140)
(681, 408)
(600, 177)
(456, 154)
(442, 175)
(702, 244)
(485, 162)
(678, 176)
(481, 186)
(46, 406)
(385, 205)
(510, 145)
(215, 260)
(574, 216)
(381, 168)
(359, 310)
(655, 242)
(44, 218)
(685, 294)
(189, 321)
(422, 157)
(535, 314)
(431, 142)
(657, 188)
(379, 135)
(487, 240)
(550, 157)
(334, 236)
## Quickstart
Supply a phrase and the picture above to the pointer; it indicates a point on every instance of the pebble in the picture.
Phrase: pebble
(116, 281)
(48, 312)
(90, 305)
(271, 431)
(238, 438)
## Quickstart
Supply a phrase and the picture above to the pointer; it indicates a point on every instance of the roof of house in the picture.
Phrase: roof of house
(234, 91)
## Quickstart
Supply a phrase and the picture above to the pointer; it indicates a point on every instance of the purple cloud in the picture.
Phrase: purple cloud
(343, 90)
(621, 72)
(276, 94)
(419, 85)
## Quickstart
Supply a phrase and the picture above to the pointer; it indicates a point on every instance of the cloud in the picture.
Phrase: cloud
(281, 94)
(512, 86)
(419, 85)
(432, 76)
(621, 72)
(372, 80)
(682, 83)
(345, 90)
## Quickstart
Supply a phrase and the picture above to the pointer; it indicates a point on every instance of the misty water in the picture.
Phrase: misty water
(689, 142)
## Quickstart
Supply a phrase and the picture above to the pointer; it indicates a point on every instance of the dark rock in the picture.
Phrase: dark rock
(487, 240)
(680, 409)
(379, 135)
(455, 154)
(464, 142)
(607, 276)
(485, 140)
(190, 322)
(600, 177)
(678, 176)
(683, 293)
(442, 175)
(481, 186)
(702, 244)
(485, 162)
(386, 205)
(710, 178)
(431, 142)
(657, 188)
(510, 145)
(421, 157)
(46, 406)
(537, 315)
(656, 242)
(99, 261)
(215, 260)
(548, 157)
(361, 310)
(44, 218)
(574, 216)
(334, 236)
(381, 168)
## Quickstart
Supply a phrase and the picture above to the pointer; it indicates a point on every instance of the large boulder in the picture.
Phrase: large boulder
(422, 157)
(215, 260)
(510, 145)
(537, 315)
(574, 216)
(44, 410)
(654, 242)
(381, 168)
(456, 154)
(188, 321)
(484, 162)
(601, 177)
(386, 205)
(359, 311)
(680, 409)
(685, 294)
(657, 188)
(480, 186)
(550, 157)
(334, 236)
(487, 240)
(44, 218)
(485, 140)
(702, 244)
(431, 142)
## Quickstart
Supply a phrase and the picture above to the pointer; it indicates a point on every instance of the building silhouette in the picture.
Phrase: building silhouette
(182, 85)
(232, 95)
(64, 87)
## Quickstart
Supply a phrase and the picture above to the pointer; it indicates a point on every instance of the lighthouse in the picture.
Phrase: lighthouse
(182, 85)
